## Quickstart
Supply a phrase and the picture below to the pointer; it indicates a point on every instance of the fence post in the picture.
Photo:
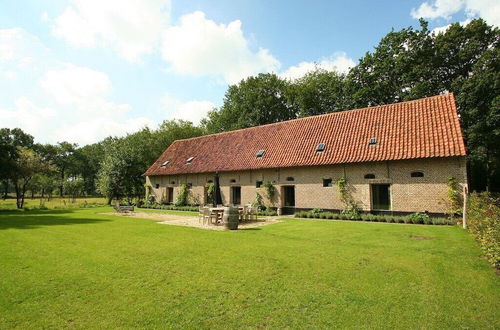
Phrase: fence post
(464, 216)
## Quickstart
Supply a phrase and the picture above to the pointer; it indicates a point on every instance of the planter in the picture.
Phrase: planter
(231, 218)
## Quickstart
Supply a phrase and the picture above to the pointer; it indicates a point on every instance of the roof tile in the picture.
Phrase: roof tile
(421, 128)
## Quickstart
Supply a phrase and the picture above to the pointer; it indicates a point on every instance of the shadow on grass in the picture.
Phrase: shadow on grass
(253, 228)
(31, 220)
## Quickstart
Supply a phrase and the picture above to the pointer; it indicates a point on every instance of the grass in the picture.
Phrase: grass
(78, 268)
(54, 203)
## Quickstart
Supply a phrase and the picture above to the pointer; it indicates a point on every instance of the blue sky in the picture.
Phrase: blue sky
(81, 70)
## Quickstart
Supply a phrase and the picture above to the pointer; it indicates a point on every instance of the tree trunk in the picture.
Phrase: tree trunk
(19, 205)
(5, 189)
(61, 187)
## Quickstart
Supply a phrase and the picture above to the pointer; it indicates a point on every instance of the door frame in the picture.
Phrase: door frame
(371, 197)
(231, 195)
(288, 209)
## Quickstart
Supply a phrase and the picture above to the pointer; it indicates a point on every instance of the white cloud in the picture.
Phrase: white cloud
(133, 27)
(338, 62)
(96, 129)
(28, 116)
(84, 89)
(193, 111)
(199, 46)
(489, 10)
(443, 29)
(74, 84)
(18, 48)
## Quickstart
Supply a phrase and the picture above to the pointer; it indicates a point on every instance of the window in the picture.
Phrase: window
(327, 182)
(320, 147)
(260, 153)
(210, 181)
(165, 163)
(258, 184)
(189, 185)
(369, 176)
(189, 160)
(172, 182)
(290, 178)
(232, 181)
(157, 186)
(417, 174)
(373, 141)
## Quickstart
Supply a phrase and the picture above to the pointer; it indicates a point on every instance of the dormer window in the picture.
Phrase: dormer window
(321, 147)
(260, 153)
(372, 141)
(189, 160)
(165, 163)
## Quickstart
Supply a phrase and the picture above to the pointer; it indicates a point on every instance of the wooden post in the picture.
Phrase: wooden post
(464, 216)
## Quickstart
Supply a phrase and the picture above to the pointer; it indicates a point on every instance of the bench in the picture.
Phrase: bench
(123, 209)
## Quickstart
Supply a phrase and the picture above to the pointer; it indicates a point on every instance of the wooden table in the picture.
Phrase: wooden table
(219, 212)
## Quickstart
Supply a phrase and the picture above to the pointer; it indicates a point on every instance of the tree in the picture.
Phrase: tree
(11, 142)
(74, 187)
(28, 164)
(479, 97)
(258, 100)
(319, 92)
(62, 157)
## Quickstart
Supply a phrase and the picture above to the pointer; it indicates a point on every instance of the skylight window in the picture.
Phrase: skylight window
(165, 163)
(260, 153)
(189, 160)
(321, 147)
(372, 142)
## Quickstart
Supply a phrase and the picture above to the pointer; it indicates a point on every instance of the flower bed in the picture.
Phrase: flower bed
(415, 218)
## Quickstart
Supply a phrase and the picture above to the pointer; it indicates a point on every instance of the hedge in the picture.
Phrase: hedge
(415, 218)
(483, 220)
(157, 206)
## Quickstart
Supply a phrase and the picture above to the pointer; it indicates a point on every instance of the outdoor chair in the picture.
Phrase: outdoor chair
(206, 215)
(201, 209)
(252, 216)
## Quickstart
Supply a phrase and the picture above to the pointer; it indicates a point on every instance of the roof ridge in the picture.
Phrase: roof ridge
(321, 115)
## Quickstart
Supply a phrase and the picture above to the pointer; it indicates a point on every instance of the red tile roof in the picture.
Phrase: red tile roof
(421, 128)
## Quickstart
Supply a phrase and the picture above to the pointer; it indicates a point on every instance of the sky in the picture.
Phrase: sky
(82, 70)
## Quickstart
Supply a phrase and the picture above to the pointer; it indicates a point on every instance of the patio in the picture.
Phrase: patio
(193, 221)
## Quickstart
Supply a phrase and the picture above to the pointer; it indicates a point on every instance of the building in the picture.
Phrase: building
(396, 158)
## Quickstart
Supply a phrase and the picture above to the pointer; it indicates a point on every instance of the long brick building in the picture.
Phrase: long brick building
(395, 158)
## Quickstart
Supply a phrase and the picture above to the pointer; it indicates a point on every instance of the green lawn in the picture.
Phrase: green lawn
(76, 268)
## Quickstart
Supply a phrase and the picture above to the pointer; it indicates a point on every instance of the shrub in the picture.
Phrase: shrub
(182, 195)
(483, 217)
(418, 218)
(300, 214)
(439, 221)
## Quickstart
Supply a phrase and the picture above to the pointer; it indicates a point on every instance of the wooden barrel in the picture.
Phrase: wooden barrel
(231, 217)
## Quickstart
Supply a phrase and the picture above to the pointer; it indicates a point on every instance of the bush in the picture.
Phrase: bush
(418, 218)
(269, 212)
(483, 219)
(191, 208)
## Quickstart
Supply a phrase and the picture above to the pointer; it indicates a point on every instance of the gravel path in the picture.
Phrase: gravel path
(191, 221)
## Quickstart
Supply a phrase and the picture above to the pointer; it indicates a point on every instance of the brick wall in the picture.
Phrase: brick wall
(408, 194)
